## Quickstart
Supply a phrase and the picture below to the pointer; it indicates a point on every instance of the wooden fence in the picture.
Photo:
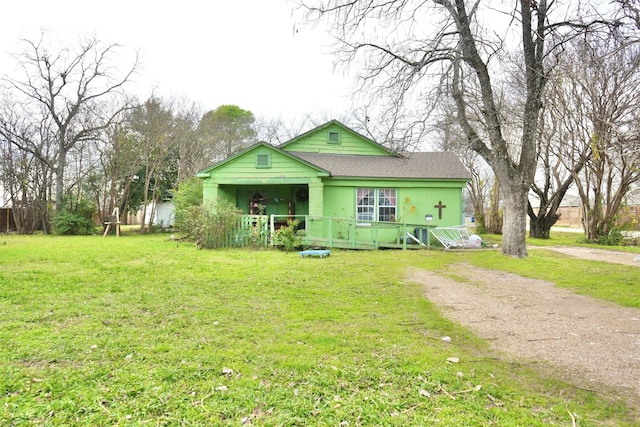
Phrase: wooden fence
(571, 216)
(7, 222)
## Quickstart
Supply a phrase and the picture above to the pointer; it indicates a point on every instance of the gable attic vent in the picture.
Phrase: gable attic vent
(263, 161)
(334, 137)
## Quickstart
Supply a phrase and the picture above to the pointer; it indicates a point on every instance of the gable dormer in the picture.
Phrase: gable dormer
(335, 138)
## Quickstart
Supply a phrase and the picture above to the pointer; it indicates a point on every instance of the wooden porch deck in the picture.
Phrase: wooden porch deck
(346, 233)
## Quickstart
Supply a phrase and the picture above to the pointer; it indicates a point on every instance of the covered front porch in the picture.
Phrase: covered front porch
(296, 198)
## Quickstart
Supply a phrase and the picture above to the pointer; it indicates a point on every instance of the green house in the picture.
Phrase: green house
(345, 189)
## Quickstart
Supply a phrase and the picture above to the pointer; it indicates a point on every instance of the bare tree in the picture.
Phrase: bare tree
(449, 137)
(64, 92)
(479, 187)
(631, 9)
(603, 118)
(277, 131)
(418, 42)
(145, 154)
(26, 178)
(153, 129)
(114, 170)
(553, 179)
(192, 153)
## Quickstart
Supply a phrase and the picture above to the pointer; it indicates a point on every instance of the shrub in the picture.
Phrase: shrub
(75, 218)
(287, 237)
(614, 238)
(213, 226)
(187, 196)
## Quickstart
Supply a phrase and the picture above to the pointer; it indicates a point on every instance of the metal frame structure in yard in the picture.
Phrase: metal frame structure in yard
(452, 237)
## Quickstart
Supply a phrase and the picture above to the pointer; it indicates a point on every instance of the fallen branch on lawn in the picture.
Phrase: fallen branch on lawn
(453, 393)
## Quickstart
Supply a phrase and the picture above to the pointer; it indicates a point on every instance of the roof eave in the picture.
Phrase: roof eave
(400, 178)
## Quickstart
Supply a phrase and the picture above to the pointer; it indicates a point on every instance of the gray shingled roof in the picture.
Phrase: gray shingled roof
(436, 165)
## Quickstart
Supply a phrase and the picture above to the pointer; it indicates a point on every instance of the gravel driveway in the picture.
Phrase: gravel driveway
(591, 343)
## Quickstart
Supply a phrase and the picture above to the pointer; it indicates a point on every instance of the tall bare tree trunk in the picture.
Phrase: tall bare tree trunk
(495, 219)
(514, 229)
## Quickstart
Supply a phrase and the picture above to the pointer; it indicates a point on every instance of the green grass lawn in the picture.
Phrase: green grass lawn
(141, 331)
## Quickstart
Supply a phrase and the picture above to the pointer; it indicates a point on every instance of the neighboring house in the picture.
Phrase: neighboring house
(571, 212)
(343, 186)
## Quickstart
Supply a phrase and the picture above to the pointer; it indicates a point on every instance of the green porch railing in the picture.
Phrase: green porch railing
(249, 230)
(252, 230)
(258, 230)
(353, 234)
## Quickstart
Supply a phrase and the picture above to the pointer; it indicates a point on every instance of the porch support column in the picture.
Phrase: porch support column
(316, 198)
(315, 229)
(209, 192)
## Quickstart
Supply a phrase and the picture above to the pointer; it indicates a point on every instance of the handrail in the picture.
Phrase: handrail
(404, 234)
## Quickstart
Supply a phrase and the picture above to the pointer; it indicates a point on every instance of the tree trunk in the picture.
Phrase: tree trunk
(145, 200)
(495, 220)
(143, 223)
(540, 225)
(590, 223)
(540, 228)
(154, 206)
(59, 172)
(515, 220)
(593, 216)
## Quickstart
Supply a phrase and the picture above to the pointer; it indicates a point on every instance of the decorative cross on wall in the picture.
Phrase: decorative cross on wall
(440, 206)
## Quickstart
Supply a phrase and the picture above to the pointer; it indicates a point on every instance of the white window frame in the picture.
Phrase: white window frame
(387, 200)
(365, 205)
(370, 202)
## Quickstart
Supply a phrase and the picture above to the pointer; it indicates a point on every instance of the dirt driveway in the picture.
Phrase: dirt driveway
(616, 257)
(591, 343)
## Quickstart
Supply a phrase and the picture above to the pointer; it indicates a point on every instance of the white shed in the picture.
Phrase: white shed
(163, 214)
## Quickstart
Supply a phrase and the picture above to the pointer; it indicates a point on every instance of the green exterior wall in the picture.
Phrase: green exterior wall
(349, 143)
(415, 200)
(281, 170)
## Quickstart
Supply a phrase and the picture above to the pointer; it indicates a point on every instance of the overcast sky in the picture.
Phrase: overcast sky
(252, 53)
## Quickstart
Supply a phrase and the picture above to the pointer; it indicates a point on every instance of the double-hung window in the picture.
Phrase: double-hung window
(387, 204)
(376, 204)
(365, 204)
